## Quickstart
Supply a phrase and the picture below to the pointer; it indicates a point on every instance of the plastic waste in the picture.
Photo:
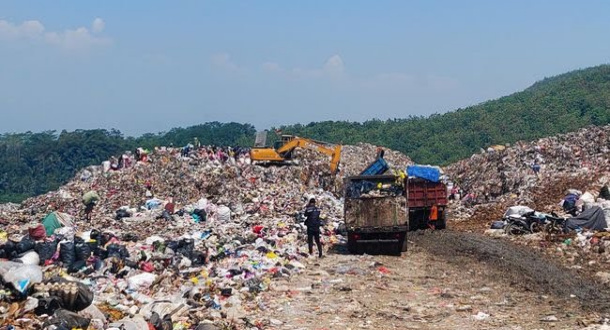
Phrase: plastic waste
(135, 323)
(30, 258)
(67, 254)
(82, 250)
(26, 244)
(141, 280)
(68, 320)
(45, 250)
(224, 214)
(19, 275)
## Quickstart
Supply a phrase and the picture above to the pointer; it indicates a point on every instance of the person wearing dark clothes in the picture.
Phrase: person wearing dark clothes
(88, 210)
(605, 193)
(313, 223)
(569, 204)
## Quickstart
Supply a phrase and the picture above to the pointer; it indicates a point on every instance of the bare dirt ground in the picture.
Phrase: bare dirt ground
(447, 280)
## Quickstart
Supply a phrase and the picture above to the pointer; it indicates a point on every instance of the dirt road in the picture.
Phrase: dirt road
(446, 280)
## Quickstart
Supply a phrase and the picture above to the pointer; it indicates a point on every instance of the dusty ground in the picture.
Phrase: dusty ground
(446, 280)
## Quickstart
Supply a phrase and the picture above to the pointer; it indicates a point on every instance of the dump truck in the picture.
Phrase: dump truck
(282, 151)
(426, 198)
(380, 209)
(375, 213)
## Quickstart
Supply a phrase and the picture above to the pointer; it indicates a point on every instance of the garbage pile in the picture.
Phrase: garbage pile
(355, 158)
(176, 239)
(535, 173)
(541, 175)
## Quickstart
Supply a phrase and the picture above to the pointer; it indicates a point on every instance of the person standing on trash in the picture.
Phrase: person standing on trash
(90, 199)
(313, 223)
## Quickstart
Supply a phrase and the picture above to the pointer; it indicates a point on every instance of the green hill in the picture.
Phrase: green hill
(554, 105)
(34, 163)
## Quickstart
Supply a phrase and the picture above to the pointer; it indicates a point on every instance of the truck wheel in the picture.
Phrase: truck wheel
(441, 225)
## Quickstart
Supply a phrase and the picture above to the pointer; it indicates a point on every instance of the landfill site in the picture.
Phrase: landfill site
(514, 237)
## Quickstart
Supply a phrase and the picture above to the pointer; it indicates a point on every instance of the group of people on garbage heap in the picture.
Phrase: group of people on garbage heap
(214, 153)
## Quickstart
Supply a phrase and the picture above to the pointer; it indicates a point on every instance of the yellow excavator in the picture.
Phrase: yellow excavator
(281, 152)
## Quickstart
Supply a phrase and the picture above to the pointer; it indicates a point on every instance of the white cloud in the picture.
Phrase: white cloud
(223, 61)
(334, 65)
(70, 39)
(98, 25)
(26, 30)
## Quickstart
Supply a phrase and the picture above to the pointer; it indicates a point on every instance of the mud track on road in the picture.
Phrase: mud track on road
(516, 265)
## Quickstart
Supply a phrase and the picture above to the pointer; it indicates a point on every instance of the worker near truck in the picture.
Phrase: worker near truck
(313, 223)
(433, 217)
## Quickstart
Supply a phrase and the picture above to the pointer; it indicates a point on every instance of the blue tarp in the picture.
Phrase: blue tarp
(424, 172)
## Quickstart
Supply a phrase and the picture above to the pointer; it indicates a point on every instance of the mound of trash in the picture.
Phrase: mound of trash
(536, 173)
(174, 240)
(542, 176)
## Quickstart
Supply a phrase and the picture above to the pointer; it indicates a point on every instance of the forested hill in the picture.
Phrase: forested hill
(554, 105)
(34, 163)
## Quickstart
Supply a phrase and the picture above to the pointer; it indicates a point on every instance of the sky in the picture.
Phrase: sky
(149, 66)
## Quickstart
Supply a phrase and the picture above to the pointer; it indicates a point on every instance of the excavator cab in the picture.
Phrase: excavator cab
(284, 139)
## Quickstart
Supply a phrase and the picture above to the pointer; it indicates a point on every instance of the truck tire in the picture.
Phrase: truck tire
(404, 246)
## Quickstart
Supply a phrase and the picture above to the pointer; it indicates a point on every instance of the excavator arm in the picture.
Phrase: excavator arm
(281, 153)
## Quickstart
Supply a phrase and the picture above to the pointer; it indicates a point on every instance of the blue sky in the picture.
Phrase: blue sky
(148, 66)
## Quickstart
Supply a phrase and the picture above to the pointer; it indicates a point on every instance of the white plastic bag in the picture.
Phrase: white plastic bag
(19, 275)
(224, 214)
(141, 280)
(30, 258)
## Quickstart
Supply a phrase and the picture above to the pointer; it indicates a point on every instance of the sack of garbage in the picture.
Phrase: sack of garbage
(142, 280)
(67, 255)
(20, 276)
(29, 258)
(45, 250)
(9, 250)
(26, 244)
(47, 305)
(82, 250)
(37, 233)
(122, 213)
(64, 319)
(116, 250)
